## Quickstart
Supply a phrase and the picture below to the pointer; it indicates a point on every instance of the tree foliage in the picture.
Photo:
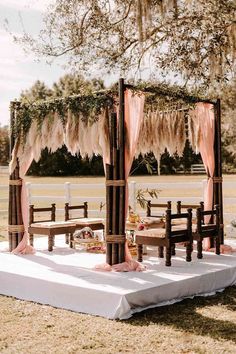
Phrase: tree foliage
(39, 91)
(4, 145)
(194, 39)
(229, 127)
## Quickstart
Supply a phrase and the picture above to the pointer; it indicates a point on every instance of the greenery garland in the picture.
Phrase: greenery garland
(88, 107)
(166, 97)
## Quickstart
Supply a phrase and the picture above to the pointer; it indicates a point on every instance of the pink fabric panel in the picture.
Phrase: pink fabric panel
(23, 247)
(134, 107)
(205, 113)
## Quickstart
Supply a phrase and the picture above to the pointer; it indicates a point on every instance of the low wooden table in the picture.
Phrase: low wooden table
(87, 242)
(51, 229)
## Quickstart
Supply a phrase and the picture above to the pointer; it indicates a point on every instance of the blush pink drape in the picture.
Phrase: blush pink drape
(134, 110)
(23, 247)
(205, 113)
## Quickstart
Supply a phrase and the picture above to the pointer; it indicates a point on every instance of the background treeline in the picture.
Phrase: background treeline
(62, 163)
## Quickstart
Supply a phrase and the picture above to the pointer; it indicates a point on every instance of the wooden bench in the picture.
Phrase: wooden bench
(48, 227)
(51, 229)
(197, 168)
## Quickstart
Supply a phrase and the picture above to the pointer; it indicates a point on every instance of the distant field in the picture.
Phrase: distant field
(171, 192)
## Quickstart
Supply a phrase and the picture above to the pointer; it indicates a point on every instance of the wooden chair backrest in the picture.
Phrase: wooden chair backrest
(34, 212)
(181, 206)
(214, 225)
(149, 211)
(68, 208)
(187, 229)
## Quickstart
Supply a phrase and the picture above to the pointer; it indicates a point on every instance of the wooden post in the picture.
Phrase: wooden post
(218, 193)
(15, 219)
(109, 193)
(19, 218)
(11, 187)
(115, 200)
(121, 143)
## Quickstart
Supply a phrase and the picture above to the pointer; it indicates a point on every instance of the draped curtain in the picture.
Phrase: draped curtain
(205, 114)
(134, 109)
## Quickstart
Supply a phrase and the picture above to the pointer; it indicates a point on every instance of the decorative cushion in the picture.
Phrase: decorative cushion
(159, 233)
(51, 224)
(87, 221)
(182, 221)
(150, 221)
(179, 227)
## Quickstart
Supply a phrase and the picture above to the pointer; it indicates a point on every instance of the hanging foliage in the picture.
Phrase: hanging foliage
(81, 123)
(85, 108)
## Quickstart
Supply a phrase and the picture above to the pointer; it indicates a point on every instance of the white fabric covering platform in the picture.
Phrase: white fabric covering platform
(65, 278)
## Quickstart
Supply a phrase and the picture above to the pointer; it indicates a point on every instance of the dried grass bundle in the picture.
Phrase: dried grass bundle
(71, 133)
(194, 130)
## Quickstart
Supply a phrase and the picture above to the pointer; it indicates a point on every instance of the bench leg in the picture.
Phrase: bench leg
(173, 250)
(31, 239)
(161, 252)
(140, 253)
(217, 243)
(199, 249)
(189, 248)
(71, 239)
(168, 256)
(67, 238)
(50, 242)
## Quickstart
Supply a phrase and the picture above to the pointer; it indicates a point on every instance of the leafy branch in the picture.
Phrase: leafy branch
(141, 196)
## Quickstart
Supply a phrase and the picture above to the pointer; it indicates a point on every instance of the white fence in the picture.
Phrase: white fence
(4, 170)
(46, 194)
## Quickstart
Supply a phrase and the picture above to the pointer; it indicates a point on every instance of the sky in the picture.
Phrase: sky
(19, 71)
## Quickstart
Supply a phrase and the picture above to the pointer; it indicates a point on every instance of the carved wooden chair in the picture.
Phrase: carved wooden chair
(201, 229)
(48, 227)
(167, 237)
(154, 211)
(211, 229)
(81, 220)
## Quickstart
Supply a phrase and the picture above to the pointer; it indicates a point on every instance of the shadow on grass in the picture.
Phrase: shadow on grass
(184, 316)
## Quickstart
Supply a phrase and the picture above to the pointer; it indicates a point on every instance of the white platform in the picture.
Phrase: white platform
(65, 278)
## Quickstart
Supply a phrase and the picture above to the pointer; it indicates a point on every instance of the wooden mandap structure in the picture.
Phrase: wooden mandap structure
(117, 125)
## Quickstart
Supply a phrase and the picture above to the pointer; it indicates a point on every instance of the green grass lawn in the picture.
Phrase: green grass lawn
(202, 325)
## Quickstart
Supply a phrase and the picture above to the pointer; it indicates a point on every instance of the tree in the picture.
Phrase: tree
(229, 127)
(39, 91)
(4, 145)
(195, 40)
(75, 84)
